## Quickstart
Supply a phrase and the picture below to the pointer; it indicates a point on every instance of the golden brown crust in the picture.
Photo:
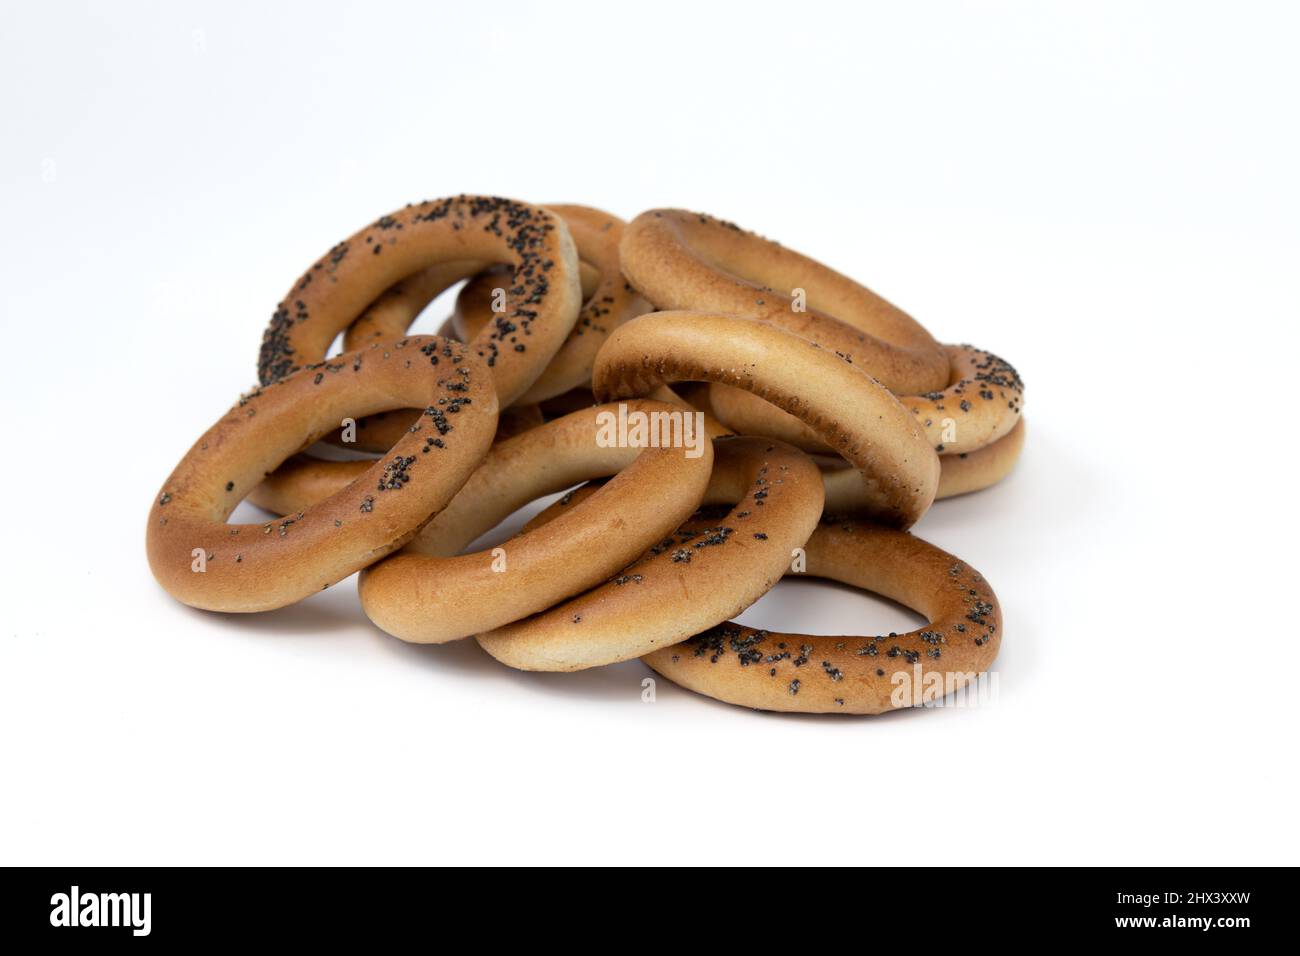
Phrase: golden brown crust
(983, 402)
(852, 413)
(378, 433)
(959, 474)
(608, 301)
(692, 578)
(854, 675)
(206, 563)
(681, 260)
(542, 302)
(431, 593)
(964, 473)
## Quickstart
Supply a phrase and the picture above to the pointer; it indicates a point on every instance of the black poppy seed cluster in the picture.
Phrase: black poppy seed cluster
(522, 229)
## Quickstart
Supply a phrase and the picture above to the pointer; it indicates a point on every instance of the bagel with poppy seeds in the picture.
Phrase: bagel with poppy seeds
(850, 411)
(542, 302)
(983, 401)
(305, 479)
(430, 593)
(806, 673)
(206, 563)
(389, 317)
(682, 260)
(608, 301)
(693, 578)
(378, 433)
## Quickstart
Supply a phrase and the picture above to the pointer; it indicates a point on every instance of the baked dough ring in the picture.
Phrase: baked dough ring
(541, 306)
(691, 579)
(305, 479)
(389, 317)
(853, 675)
(691, 261)
(959, 474)
(983, 402)
(609, 301)
(378, 433)
(432, 594)
(254, 567)
(852, 412)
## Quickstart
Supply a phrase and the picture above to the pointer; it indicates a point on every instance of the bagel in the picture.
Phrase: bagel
(692, 579)
(608, 301)
(378, 433)
(958, 474)
(541, 305)
(305, 479)
(206, 563)
(570, 401)
(389, 317)
(854, 675)
(689, 261)
(853, 413)
(982, 403)
(431, 594)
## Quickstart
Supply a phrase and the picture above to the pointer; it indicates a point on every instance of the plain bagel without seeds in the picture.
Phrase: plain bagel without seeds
(850, 411)
(806, 673)
(206, 563)
(688, 261)
(430, 593)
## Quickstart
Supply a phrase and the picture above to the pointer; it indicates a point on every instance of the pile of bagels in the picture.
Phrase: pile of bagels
(799, 424)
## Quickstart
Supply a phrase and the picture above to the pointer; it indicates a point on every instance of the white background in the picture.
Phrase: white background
(1106, 194)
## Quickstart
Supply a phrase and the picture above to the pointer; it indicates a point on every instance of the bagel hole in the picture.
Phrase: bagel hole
(822, 608)
(513, 523)
(429, 321)
(590, 277)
